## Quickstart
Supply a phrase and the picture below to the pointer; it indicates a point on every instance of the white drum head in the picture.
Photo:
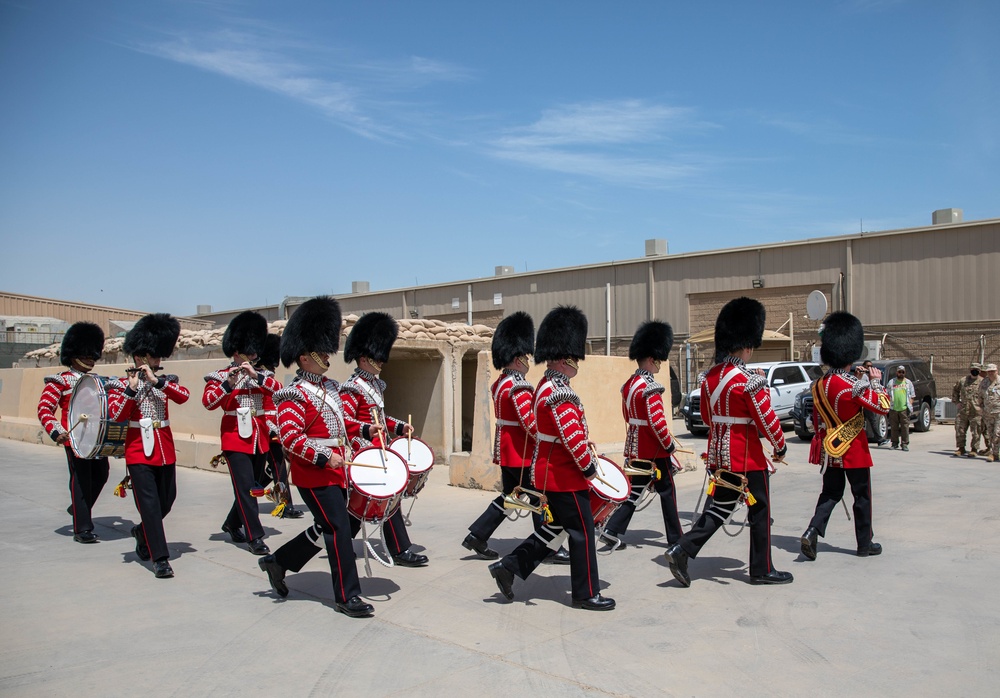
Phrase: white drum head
(617, 489)
(88, 405)
(387, 479)
(417, 454)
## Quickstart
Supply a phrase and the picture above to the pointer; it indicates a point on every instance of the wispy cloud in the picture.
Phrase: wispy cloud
(600, 140)
(819, 130)
(355, 94)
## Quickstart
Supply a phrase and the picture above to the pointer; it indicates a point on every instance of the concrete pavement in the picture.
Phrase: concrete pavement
(921, 619)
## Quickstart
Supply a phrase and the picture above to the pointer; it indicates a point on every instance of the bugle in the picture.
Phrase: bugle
(519, 498)
(645, 468)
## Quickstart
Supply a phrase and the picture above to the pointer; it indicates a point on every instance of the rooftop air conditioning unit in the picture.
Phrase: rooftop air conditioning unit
(872, 350)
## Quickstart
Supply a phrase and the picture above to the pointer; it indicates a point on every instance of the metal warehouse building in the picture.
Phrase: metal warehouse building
(931, 293)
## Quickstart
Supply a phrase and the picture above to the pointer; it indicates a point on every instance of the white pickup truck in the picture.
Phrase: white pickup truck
(786, 379)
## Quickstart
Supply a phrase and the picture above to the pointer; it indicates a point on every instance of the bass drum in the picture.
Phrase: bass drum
(419, 460)
(375, 483)
(607, 496)
(92, 435)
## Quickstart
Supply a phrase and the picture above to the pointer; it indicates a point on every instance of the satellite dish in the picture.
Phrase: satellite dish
(816, 305)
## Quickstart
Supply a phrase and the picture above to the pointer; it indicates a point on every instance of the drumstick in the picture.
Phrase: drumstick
(82, 418)
(602, 480)
(409, 436)
(381, 444)
(363, 465)
(683, 450)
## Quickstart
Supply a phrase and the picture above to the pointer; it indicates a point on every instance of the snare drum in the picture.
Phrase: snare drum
(606, 498)
(419, 460)
(374, 493)
(93, 435)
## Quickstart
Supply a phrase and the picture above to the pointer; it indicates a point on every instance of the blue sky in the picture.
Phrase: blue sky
(161, 155)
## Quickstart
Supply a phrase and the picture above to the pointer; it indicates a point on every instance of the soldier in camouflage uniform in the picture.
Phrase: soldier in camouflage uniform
(990, 392)
(964, 395)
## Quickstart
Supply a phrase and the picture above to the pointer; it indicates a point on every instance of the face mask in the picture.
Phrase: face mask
(975, 372)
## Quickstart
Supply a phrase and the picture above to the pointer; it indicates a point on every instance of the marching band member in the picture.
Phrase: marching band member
(562, 464)
(275, 469)
(513, 344)
(239, 390)
(369, 344)
(840, 444)
(314, 434)
(735, 404)
(647, 437)
(149, 443)
(81, 348)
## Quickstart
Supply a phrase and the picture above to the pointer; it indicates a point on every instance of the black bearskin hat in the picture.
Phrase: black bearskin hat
(513, 337)
(314, 326)
(153, 335)
(270, 355)
(245, 334)
(372, 338)
(653, 340)
(740, 325)
(562, 335)
(83, 340)
(843, 340)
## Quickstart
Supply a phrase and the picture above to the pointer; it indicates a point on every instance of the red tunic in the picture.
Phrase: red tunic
(309, 414)
(56, 395)
(847, 395)
(364, 402)
(249, 393)
(514, 440)
(563, 459)
(647, 436)
(149, 401)
(741, 408)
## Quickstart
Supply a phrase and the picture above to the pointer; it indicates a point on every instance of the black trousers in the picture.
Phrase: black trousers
(572, 514)
(332, 523)
(274, 468)
(664, 487)
(244, 512)
(834, 481)
(154, 488)
(723, 503)
(488, 522)
(397, 540)
(87, 477)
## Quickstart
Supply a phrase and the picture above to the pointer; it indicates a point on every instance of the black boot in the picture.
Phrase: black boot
(480, 547)
(355, 608)
(275, 574)
(678, 560)
(809, 542)
(870, 549)
(504, 579)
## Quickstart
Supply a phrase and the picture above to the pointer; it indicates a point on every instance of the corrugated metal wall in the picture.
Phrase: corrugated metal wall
(939, 274)
(16, 304)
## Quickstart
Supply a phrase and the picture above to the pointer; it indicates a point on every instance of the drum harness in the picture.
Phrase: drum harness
(379, 402)
(328, 401)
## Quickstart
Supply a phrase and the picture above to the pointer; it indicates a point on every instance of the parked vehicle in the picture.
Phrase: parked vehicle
(919, 372)
(786, 379)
